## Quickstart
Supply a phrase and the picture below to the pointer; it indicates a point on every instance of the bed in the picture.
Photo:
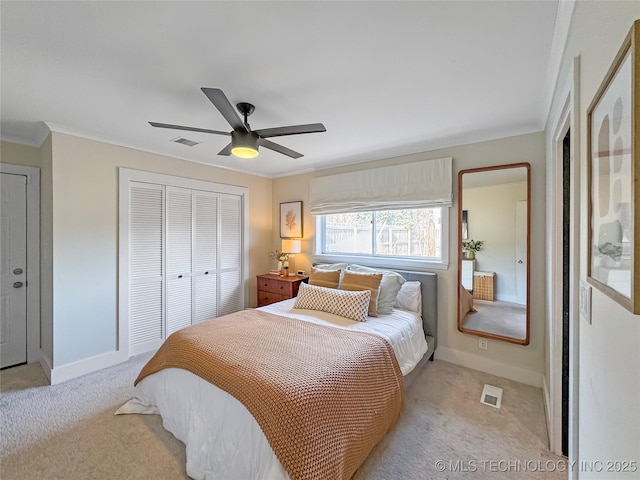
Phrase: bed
(223, 439)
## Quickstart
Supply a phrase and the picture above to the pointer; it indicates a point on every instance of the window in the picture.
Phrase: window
(413, 235)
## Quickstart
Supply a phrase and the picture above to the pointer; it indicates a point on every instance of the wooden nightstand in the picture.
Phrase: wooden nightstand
(274, 288)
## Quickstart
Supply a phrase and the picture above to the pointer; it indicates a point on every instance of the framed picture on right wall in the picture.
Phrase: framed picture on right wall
(613, 151)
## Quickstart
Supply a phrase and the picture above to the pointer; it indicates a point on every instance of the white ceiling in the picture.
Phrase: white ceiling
(385, 78)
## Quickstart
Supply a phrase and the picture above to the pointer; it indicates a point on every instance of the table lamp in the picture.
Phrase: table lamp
(291, 247)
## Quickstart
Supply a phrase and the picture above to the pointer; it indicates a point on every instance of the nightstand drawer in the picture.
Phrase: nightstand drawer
(266, 298)
(263, 284)
(281, 288)
(273, 288)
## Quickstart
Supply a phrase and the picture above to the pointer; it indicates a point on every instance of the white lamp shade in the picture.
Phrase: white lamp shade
(291, 246)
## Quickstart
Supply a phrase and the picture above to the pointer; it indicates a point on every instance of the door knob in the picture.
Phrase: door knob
(520, 261)
(17, 284)
(17, 271)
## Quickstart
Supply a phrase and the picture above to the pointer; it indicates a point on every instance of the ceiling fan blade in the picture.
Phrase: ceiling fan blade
(226, 150)
(278, 148)
(189, 129)
(221, 102)
(291, 130)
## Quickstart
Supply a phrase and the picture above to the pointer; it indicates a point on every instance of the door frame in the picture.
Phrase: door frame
(34, 353)
(569, 118)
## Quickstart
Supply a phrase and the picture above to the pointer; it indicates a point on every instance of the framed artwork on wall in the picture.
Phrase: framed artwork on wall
(613, 151)
(291, 220)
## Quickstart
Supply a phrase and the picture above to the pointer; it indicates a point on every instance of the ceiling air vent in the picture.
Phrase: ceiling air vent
(185, 141)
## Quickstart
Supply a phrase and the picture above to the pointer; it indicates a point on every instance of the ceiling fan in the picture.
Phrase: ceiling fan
(244, 141)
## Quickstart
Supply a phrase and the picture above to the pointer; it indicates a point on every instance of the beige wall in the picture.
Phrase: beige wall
(523, 362)
(609, 355)
(492, 218)
(19, 154)
(79, 235)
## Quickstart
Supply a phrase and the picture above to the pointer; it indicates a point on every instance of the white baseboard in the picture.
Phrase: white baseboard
(477, 362)
(84, 366)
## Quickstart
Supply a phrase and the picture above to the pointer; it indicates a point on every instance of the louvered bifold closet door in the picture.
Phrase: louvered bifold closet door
(145, 266)
(231, 221)
(178, 255)
(205, 254)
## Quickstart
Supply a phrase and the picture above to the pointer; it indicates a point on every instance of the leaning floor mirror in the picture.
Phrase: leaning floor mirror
(494, 220)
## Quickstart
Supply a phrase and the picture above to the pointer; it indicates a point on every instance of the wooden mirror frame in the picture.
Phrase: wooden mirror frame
(480, 333)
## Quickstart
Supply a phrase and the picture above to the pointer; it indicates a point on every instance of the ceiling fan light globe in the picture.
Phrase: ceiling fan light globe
(244, 152)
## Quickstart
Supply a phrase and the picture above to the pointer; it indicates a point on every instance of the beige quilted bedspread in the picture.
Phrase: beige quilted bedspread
(324, 397)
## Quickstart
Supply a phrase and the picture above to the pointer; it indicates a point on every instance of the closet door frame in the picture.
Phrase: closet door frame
(127, 175)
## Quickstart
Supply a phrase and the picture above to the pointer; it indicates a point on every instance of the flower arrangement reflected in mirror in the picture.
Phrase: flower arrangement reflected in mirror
(472, 247)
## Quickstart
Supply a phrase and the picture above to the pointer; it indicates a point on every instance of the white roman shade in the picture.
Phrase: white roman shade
(423, 184)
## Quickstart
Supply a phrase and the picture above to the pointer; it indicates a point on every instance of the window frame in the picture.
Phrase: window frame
(386, 261)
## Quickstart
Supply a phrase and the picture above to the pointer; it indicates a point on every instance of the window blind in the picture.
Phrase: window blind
(422, 184)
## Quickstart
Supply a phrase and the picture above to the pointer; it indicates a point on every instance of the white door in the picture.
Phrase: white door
(145, 252)
(179, 255)
(205, 255)
(13, 265)
(184, 260)
(521, 252)
(231, 292)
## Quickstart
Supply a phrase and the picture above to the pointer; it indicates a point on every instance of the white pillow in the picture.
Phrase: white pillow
(331, 266)
(349, 304)
(410, 297)
(389, 287)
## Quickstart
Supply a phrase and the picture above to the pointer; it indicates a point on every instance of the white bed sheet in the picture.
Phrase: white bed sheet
(401, 328)
(223, 440)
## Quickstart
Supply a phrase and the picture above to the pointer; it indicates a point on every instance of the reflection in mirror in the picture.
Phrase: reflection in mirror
(493, 257)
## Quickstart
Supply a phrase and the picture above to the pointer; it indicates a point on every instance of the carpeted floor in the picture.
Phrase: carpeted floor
(501, 318)
(68, 431)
